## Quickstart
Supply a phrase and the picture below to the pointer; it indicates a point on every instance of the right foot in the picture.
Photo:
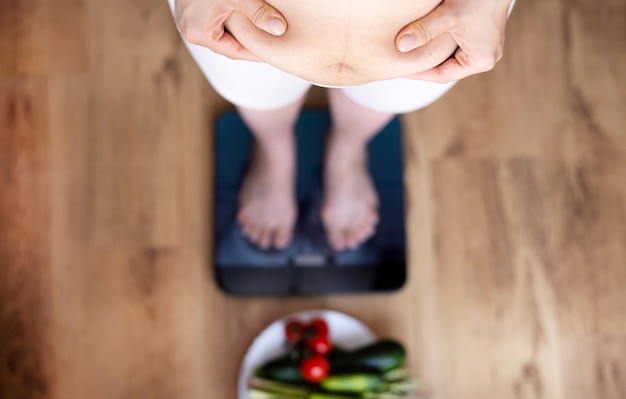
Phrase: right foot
(267, 206)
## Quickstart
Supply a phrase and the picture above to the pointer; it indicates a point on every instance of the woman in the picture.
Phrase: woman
(349, 46)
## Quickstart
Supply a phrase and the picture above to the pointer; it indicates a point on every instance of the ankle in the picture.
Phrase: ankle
(274, 158)
(345, 150)
(275, 144)
(348, 137)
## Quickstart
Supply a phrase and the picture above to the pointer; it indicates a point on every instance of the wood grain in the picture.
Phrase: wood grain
(24, 243)
(516, 185)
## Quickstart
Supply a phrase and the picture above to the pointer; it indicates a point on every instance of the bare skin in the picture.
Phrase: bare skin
(350, 209)
(336, 44)
(267, 206)
(343, 43)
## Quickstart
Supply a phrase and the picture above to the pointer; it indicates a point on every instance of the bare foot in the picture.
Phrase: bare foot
(267, 206)
(349, 212)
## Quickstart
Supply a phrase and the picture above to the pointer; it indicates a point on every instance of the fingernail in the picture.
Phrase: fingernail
(276, 26)
(406, 43)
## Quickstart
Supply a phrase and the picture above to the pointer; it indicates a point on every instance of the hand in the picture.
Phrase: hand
(476, 25)
(201, 22)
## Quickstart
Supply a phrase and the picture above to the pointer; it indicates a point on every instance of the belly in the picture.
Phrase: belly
(343, 42)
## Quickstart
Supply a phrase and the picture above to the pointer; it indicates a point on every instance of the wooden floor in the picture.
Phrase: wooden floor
(517, 214)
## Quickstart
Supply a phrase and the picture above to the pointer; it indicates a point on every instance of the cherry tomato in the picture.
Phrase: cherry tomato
(294, 330)
(319, 326)
(320, 344)
(314, 369)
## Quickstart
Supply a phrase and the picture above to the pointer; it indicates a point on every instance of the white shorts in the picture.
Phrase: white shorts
(257, 85)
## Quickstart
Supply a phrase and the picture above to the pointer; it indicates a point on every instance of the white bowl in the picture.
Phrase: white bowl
(345, 331)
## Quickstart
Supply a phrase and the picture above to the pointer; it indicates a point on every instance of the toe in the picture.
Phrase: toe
(265, 238)
(241, 217)
(348, 240)
(246, 230)
(255, 233)
(353, 238)
(336, 240)
(373, 218)
(282, 238)
(367, 232)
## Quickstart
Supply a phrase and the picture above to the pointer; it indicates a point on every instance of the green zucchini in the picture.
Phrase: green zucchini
(380, 356)
(284, 369)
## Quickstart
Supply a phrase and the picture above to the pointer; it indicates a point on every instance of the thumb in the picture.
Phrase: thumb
(420, 32)
(264, 16)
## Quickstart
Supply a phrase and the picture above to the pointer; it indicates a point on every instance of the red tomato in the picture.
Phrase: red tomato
(294, 331)
(320, 344)
(314, 369)
(319, 326)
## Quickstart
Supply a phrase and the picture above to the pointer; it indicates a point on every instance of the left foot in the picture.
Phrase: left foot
(349, 212)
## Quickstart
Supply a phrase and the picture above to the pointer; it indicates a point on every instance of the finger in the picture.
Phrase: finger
(223, 43)
(455, 68)
(443, 73)
(207, 30)
(230, 47)
(264, 16)
(420, 32)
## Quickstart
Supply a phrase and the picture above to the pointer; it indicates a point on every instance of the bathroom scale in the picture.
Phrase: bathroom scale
(308, 266)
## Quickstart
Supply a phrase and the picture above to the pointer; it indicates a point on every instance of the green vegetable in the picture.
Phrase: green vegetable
(381, 356)
(259, 393)
(266, 389)
(256, 393)
(350, 382)
(292, 391)
(283, 369)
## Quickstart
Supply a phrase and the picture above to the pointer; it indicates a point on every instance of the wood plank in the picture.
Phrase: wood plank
(495, 299)
(24, 241)
(42, 37)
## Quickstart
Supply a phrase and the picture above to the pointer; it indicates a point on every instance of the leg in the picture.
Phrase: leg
(267, 206)
(349, 212)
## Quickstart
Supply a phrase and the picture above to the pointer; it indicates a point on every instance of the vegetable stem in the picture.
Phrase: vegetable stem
(254, 393)
(290, 391)
(398, 384)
